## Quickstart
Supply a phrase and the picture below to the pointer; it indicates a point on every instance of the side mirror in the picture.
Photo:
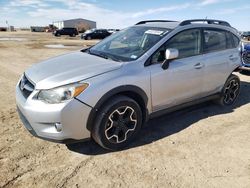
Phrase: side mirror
(170, 54)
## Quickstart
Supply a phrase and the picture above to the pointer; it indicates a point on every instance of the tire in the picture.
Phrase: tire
(118, 123)
(73, 35)
(89, 38)
(230, 91)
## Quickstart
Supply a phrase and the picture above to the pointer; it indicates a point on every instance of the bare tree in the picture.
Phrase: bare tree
(82, 26)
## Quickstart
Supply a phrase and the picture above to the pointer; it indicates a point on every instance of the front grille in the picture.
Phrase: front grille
(246, 57)
(26, 87)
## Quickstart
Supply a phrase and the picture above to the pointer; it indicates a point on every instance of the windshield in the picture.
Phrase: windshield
(129, 44)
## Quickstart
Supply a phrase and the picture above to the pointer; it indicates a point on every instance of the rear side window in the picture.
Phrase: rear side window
(214, 40)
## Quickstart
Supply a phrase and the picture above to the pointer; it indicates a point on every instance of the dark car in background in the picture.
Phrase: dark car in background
(95, 34)
(246, 35)
(66, 31)
(246, 56)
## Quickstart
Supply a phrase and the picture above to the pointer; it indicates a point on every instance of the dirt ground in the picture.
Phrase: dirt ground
(202, 146)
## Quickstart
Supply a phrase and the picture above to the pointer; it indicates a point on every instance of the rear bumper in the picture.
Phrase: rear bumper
(40, 118)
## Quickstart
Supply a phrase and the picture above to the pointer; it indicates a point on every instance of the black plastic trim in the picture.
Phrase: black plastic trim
(181, 106)
(65, 141)
(82, 102)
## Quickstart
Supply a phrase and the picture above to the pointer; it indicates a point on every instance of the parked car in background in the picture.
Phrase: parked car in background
(95, 34)
(111, 89)
(246, 56)
(246, 35)
(66, 31)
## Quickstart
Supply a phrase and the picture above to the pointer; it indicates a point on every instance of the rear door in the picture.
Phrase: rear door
(218, 54)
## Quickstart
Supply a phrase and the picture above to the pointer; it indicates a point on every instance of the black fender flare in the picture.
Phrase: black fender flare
(116, 91)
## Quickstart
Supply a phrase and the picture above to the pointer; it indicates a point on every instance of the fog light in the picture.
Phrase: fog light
(58, 127)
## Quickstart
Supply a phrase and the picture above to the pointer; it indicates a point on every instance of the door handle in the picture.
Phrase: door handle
(198, 66)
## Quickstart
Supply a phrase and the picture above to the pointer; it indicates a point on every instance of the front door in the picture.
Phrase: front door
(182, 81)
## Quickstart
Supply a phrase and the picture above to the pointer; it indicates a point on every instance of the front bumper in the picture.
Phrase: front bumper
(40, 118)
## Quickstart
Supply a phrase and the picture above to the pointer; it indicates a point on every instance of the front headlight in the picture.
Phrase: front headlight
(61, 94)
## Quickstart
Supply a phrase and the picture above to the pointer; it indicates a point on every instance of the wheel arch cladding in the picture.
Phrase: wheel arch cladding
(131, 91)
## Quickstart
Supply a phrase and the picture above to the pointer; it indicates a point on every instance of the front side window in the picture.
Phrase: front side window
(214, 40)
(129, 44)
(187, 42)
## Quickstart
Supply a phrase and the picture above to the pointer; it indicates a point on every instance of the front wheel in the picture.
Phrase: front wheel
(230, 91)
(117, 123)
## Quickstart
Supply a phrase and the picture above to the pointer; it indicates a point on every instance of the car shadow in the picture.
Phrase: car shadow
(169, 124)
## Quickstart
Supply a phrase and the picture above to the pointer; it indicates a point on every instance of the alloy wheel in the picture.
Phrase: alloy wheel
(121, 123)
(231, 92)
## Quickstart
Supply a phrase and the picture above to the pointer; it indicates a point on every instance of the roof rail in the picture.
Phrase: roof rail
(152, 21)
(218, 22)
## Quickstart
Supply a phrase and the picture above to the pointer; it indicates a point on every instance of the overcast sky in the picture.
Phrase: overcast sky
(122, 13)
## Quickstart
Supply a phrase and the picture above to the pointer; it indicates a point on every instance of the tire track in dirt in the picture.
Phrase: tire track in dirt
(10, 182)
(74, 172)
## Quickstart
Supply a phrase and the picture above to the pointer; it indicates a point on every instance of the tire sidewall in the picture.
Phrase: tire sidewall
(103, 118)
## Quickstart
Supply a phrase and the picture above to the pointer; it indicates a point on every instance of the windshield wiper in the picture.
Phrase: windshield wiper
(113, 58)
(97, 54)
(102, 55)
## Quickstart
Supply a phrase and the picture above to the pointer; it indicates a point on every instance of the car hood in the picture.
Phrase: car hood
(69, 68)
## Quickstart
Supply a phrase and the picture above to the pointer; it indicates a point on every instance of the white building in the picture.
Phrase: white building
(79, 23)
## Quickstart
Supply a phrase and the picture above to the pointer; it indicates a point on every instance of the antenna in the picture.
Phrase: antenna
(205, 19)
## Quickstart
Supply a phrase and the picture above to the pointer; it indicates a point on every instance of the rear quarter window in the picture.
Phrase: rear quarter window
(236, 41)
(233, 41)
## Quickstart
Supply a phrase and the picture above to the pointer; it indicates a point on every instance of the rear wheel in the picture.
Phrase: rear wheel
(117, 123)
(230, 91)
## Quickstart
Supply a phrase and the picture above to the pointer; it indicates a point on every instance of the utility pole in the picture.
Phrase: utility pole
(8, 27)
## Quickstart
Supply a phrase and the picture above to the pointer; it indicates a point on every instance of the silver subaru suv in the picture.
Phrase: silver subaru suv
(110, 90)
